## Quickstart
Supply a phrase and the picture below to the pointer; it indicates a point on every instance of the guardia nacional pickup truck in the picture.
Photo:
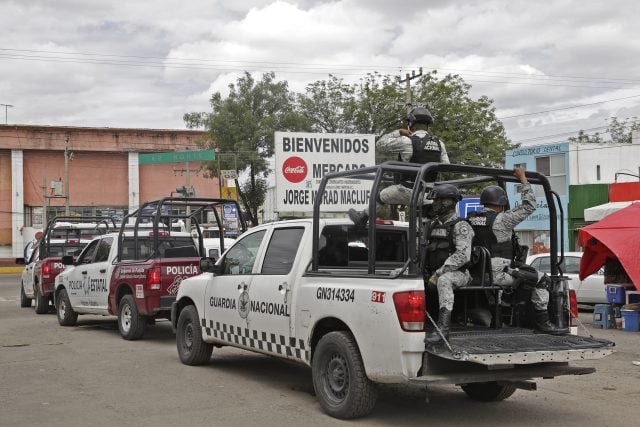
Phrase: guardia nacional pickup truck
(350, 303)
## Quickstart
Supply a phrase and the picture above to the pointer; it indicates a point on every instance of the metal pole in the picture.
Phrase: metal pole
(6, 107)
(66, 175)
(219, 176)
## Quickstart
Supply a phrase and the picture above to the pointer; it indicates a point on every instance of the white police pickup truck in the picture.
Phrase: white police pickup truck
(350, 302)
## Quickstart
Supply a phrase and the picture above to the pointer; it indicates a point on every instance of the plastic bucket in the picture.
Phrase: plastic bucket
(630, 320)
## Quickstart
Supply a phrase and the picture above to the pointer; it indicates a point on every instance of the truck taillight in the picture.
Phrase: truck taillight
(160, 234)
(410, 307)
(46, 269)
(153, 278)
(573, 307)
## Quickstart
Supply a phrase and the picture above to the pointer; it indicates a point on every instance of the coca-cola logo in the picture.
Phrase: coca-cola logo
(294, 169)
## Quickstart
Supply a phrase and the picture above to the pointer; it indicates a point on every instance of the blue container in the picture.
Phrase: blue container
(615, 294)
(630, 320)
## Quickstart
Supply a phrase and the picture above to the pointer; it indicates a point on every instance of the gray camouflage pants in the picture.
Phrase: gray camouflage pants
(539, 297)
(398, 195)
(447, 283)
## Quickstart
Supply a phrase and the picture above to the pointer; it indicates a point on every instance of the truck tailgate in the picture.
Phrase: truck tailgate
(513, 346)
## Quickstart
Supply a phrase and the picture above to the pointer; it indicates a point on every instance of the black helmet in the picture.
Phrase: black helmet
(419, 115)
(494, 195)
(445, 191)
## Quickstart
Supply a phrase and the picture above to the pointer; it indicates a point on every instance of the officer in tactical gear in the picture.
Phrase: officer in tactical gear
(493, 228)
(446, 252)
(413, 145)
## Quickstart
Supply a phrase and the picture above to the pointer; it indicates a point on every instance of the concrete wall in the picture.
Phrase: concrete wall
(612, 158)
(5, 197)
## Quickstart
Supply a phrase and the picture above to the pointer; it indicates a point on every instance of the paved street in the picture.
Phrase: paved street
(89, 375)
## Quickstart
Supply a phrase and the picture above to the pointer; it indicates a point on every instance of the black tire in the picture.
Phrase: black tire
(42, 303)
(66, 315)
(130, 323)
(191, 348)
(339, 379)
(24, 301)
(489, 391)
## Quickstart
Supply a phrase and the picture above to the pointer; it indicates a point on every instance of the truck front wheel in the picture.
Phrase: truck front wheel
(66, 315)
(191, 348)
(42, 303)
(339, 377)
(130, 323)
(489, 391)
(24, 301)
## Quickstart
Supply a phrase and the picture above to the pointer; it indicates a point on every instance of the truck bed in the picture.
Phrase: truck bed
(518, 346)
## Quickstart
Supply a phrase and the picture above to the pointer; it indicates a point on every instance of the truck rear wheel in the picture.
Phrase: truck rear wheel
(489, 391)
(66, 315)
(130, 323)
(339, 378)
(24, 301)
(42, 303)
(191, 348)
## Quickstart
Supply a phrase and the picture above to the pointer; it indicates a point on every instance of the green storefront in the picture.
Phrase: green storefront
(582, 197)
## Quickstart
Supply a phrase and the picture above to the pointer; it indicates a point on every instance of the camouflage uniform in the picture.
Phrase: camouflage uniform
(452, 274)
(503, 227)
(395, 144)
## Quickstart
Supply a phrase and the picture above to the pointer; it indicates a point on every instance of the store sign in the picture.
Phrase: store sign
(302, 159)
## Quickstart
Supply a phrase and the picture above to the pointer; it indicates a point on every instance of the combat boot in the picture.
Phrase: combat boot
(360, 219)
(542, 324)
(444, 322)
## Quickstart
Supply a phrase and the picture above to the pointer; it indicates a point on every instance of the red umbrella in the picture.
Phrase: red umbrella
(615, 236)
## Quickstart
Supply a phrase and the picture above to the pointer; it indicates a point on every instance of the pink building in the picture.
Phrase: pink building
(105, 177)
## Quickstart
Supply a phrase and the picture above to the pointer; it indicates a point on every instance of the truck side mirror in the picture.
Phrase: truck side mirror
(207, 265)
(67, 260)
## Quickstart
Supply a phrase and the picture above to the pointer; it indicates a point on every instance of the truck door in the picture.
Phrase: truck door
(270, 293)
(99, 273)
(227, 305)
(27, 274)
(78, 284)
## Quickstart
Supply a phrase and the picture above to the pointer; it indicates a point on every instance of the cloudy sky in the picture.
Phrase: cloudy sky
(556, 66)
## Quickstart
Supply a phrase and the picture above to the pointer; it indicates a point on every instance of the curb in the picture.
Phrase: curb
(11, 270)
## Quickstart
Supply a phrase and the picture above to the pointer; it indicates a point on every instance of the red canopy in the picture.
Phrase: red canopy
(617, 235)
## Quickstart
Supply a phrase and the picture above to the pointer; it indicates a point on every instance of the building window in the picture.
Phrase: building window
(598, 172)
(553, 167)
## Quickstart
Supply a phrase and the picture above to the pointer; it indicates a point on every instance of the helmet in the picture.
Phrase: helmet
(419, 115)
(445, 191)
(494, 195)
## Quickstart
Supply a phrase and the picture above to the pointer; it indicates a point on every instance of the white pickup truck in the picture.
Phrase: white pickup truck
(350, 303)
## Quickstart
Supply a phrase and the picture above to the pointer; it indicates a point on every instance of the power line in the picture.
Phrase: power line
(397, 68)
(568, 108)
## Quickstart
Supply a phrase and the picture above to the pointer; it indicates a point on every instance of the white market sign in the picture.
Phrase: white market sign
(302, 159)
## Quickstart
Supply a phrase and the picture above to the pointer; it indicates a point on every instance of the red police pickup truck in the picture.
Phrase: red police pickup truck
(135, 274)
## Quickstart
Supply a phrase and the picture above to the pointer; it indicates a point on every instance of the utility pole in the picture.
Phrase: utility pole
(407, 79)
(6, 107)
(66, 175)
(408, 103)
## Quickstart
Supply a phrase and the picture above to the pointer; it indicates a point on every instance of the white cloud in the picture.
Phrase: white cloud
(195, 48)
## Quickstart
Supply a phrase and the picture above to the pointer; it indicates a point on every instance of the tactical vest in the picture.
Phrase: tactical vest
(425, 150)
(482, 224)
(440, 244)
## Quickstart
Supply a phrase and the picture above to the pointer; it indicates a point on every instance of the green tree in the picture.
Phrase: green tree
(469, 127)
(241, 126)
(620, 132)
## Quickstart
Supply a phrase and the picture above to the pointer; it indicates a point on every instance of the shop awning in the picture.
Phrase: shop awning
(617, 235)
(596, 213)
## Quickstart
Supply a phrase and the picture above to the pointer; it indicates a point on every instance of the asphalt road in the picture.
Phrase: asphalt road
(89, 375)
